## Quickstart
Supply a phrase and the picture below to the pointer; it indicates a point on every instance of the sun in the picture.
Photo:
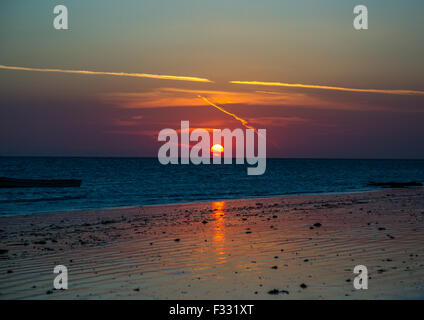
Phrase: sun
(217, 149)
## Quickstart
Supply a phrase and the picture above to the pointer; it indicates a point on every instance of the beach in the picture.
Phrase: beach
(297, 247)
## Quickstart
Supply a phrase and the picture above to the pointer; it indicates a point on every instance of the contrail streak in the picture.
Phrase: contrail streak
(119, 74)
(310, 86)
(243, 122)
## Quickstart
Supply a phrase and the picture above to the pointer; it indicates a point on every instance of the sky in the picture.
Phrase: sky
(127, 69)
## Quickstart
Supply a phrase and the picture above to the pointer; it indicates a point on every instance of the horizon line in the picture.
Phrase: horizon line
(155, 157)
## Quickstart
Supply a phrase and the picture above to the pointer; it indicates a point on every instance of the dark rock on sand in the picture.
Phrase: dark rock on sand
(303, 286)
(108, 221)
(276, 291)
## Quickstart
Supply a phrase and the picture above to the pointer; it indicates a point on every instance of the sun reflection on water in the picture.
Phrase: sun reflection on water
(219, 228)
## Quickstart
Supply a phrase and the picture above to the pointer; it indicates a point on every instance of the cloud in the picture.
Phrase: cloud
(277, 121)
(174, 97)
(119, 74)
(310, 86)
(313, 99)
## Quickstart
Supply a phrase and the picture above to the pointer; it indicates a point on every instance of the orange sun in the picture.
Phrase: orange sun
(217, 149)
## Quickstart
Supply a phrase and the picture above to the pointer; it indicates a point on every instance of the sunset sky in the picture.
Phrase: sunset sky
(358, 94)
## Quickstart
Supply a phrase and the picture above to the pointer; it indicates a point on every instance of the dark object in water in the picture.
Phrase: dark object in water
(392, 184)
(38, 183)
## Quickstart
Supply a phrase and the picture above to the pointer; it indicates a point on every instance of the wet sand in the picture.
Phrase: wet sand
(240, 249)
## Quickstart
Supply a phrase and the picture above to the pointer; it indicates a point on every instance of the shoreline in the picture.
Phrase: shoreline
(199, 202)
(230, 249)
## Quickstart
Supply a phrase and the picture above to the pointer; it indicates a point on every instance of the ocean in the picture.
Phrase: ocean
(123, 182)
